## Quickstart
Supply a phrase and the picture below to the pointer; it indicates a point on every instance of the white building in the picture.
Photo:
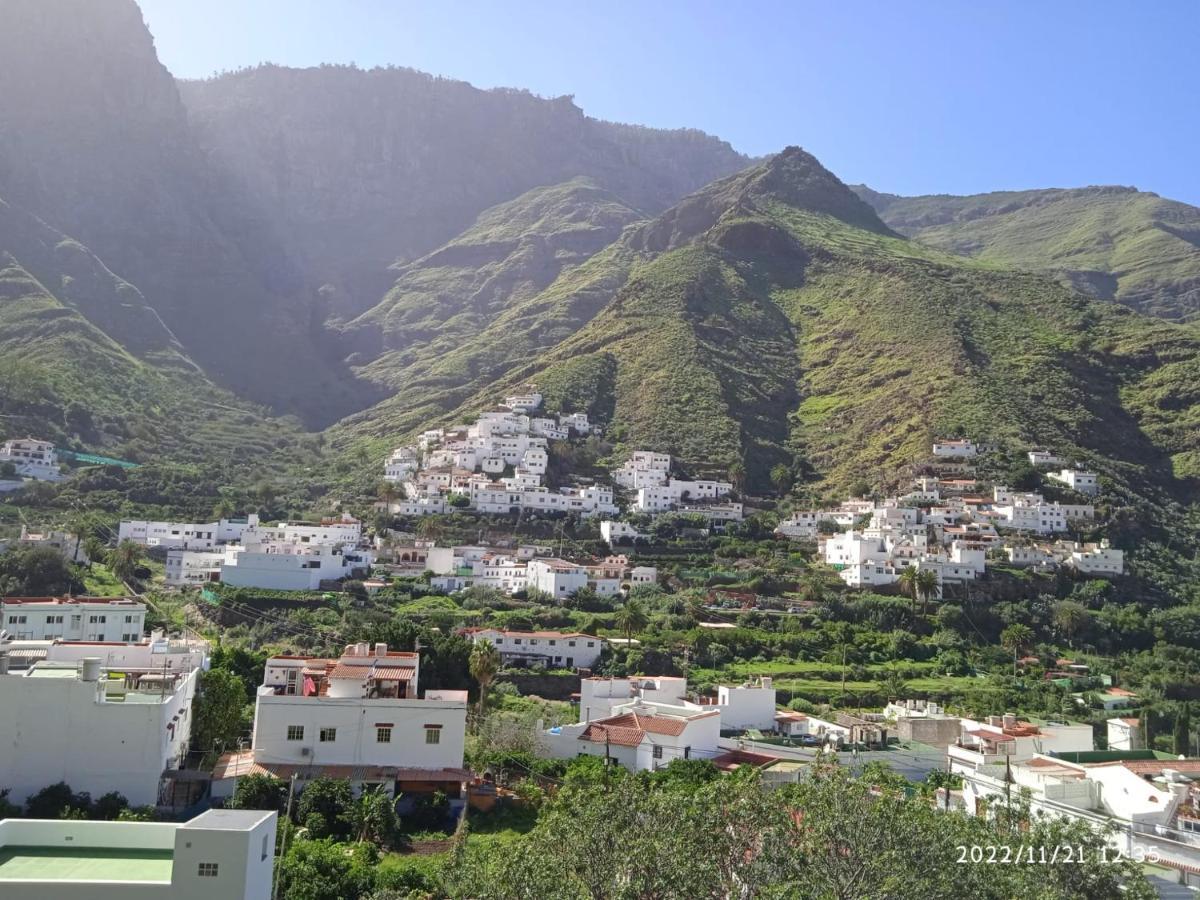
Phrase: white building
(556, 577)
(1078, 480)
(527, 402)
(598, 696)
(31, 458)
(1097, 559)
(361, 714)
(552, 649)
(1044, 458)
(678, 492)
(615, 532)
(1006, 737)
(192, 568)
(1125, 733)
(1144, 804)
(186, 535)
(640, 735)
(644, 468)
(222, 853)
(97, 728)
(747, 705)
(288, 566)
(343, 531)
(643, 575)
(69, 546)
(961, 449)
(801, 525)
(73, 618)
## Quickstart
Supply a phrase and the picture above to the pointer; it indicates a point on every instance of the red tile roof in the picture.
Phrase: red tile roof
(630, 729)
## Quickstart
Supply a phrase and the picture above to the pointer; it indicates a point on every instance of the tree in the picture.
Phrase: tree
(1016, 637)
(631, 618)
(260, 791)
(36, 572)
(893, 684)
(325, 808)
(123, 560)
(326, 870)
(219, 711)
(430, 528)
(484, 664)
(94, 549)
(1181, 736)
(1070, 617)
(927, 586)
(908, 586)
(374, 817)
(110, 806)
(781, 477)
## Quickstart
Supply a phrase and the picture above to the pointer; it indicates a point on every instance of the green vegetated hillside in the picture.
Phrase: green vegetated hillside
(1115, 243)
(66, 379)
(773, 317)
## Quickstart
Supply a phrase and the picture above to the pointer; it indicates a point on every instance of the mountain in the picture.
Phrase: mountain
(1115, 243)
(365, 168)
(257, 212)
(774, 318)
(95, 142)
(65, 378)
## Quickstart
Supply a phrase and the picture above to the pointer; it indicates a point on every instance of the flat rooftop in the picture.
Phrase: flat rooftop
(19, 863)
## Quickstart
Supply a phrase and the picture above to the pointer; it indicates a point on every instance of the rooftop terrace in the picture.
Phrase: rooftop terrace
(84, 864)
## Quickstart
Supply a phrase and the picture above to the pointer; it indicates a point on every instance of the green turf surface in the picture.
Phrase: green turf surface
(84, 864)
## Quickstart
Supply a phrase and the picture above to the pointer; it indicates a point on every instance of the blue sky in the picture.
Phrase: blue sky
(922, 97)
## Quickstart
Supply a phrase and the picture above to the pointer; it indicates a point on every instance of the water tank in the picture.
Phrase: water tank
(91, 668)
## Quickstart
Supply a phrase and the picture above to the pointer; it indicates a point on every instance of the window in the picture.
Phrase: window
(570, 643)
(295, 732)
(264, 848)
(97, 619)
(687, 752)
(129, 618)
(591, 643)
(17, 620)
(657, 753)
(553, 643)
(327, 735)
(54, 620)
(208, 870)
(433, 734)
(383, 734)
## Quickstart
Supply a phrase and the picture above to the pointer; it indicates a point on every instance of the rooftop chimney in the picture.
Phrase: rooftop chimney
(381, 649)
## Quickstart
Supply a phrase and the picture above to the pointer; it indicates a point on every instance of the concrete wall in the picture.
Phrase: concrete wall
(355, 723)
(55, 730)
(935, 732)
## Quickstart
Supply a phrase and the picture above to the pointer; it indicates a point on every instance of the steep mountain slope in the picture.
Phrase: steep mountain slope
(65, 379)
(512, 252)
(362, 168)
(1114, 243)
(774, 318)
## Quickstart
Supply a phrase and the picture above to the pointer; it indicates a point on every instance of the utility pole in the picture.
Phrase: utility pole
(283, 843)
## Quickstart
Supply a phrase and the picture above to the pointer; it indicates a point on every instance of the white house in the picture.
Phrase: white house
(556, 577)
(360, 714)
(342, 531)
(221, 853)
(73, 618)
(1078, 480)
(1125, 733)
(640, 735)
(644, 468)
(1144, 804)
(1097, 559)
(1007, 737)
(69, 546)
(191, 568)
(186, 535)
(95, 727)
(643, 575)
(801, 525)
(615, 532)
(553, 649)
(961, 449)
(157, 653)
(1044, 458)
(527, 402)
(31, 458)
(598, 695)
(288, 566)
(747, 705)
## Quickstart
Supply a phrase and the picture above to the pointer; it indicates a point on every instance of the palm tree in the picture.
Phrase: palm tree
(1016, 637)
(484, 662)
(123, 561)
(781, 477)
(1070, 616)
(80, 529)
(632, 618)
(388, 492)
(93, 549)
(908, 586)
(430, 528)
(927, 587)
